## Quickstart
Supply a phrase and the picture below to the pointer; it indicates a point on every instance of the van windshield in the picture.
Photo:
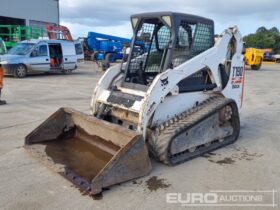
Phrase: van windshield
(21, 49)
(2, 47)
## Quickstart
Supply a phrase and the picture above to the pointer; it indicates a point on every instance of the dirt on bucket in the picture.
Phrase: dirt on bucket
(79, 156)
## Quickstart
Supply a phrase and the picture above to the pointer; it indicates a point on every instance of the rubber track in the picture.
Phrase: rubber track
(162, 136)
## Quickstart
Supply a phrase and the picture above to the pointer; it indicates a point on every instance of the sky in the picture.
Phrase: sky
(113, 16)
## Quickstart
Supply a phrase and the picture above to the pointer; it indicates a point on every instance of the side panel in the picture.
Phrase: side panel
(69, 55)
(41, 62)
(234, 87)
(175, 105)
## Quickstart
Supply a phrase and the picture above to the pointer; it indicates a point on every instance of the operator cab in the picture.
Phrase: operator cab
(170, 39)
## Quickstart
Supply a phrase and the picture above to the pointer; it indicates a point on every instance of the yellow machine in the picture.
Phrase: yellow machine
(254, 58)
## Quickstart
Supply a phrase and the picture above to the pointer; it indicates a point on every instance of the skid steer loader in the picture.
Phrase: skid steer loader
(176, 98)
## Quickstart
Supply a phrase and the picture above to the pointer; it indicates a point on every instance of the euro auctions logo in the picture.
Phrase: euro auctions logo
(192, 198)
(224, 198)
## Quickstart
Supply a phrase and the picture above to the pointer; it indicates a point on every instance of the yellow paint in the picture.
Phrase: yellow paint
(253, 56)
(270, 62)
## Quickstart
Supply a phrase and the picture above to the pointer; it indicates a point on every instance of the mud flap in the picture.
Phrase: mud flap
(91, 153)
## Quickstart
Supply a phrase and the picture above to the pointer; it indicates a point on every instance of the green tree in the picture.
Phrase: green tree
(264, 38)
(274, 30)
(261, 29)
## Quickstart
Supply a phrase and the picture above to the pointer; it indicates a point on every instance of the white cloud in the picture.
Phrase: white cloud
(112, 16)
(81, 30)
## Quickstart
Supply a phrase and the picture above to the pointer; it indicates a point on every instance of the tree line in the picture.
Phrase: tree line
(264, 38)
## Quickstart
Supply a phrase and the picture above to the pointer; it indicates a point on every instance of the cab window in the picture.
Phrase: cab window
(39, 51)
(43, 50)
(79, 49)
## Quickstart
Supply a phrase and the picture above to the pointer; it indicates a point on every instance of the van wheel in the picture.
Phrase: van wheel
(67, 71)
(20, 71)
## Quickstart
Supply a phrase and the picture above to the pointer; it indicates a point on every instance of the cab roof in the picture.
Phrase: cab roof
(174, 16)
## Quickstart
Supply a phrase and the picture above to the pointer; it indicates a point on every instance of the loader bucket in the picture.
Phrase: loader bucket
(91, 153)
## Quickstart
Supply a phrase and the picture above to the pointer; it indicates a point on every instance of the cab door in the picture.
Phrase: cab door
(40, 59)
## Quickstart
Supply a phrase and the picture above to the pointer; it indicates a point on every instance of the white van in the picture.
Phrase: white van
(33, 56)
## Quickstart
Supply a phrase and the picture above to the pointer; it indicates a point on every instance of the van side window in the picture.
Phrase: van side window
(43, 50)
(79, 49)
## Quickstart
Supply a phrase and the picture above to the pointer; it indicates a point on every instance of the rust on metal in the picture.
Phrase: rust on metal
(122, 114)
(91, 153)
(79, 156)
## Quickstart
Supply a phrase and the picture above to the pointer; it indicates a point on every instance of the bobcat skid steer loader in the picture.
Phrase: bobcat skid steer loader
(177, 97)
